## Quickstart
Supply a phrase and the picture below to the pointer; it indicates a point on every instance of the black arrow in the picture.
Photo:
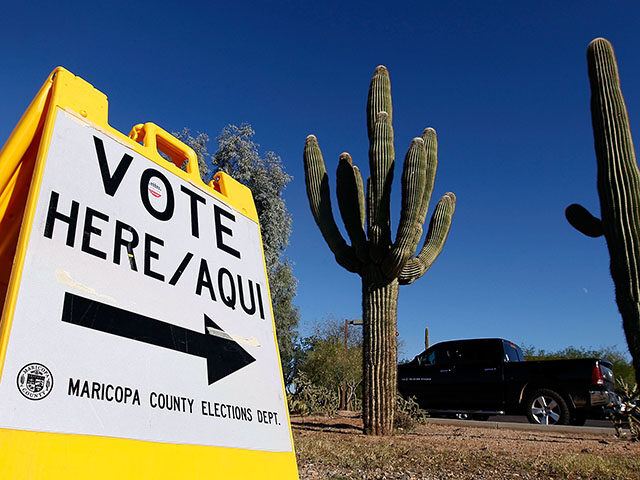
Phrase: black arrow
(224, 356)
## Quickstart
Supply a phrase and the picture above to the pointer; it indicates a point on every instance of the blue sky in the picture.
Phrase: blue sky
(504, 84)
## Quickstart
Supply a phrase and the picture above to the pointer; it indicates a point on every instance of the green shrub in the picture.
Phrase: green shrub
(311, 399)
(629, 413)
(408, 414)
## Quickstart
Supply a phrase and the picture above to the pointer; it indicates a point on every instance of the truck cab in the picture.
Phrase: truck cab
(460, 375)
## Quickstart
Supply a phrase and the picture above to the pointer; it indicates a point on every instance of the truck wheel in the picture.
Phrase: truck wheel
(546, 407)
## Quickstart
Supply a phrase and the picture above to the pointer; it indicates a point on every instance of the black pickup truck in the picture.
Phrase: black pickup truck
(484, 377)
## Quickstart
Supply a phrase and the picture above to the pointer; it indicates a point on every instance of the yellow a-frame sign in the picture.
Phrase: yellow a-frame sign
(137, 336)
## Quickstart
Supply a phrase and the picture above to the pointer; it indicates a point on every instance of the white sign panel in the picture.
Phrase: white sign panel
(143, 310)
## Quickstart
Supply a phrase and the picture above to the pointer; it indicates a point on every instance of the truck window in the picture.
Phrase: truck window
(435, 356)
(430, 358)
(511, 352)
(474, 352)
(470, 353)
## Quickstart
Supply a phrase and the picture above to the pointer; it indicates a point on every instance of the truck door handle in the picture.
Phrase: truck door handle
(445, 370)
(490, 369)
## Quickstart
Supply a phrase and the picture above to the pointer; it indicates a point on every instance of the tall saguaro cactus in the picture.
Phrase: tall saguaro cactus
(618, 188)
(382, 263)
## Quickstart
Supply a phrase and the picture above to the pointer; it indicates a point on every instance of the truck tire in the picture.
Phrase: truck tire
(546, 407)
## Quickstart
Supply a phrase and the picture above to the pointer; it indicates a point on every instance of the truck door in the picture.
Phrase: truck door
(428, 378)
(478, 375)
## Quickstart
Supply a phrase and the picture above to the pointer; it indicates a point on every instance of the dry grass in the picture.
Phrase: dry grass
(334, 448)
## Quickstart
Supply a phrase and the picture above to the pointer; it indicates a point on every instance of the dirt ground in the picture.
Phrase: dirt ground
(334, 448)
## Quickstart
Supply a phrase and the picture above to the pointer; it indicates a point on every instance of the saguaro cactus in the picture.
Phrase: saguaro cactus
(382, 263)
(618, 188)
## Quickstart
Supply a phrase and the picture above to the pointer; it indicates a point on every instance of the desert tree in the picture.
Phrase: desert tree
(331, 361)
(238, 155)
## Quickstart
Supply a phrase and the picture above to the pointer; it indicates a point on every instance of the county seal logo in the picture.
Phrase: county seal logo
(35, 381)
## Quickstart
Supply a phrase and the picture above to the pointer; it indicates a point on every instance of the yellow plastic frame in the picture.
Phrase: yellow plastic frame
(41, 455)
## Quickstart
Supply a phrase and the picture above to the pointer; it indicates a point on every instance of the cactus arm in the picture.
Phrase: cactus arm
(580, 219)
(433, 244)
(381, 163)
(414, 177)
(379, 99)
(317, 181)
(351, 203)
(361, 201)
(369, 200)
(431, 146)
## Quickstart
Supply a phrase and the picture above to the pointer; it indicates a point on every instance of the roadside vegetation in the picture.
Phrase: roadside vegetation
(329, 368)
(324, 365)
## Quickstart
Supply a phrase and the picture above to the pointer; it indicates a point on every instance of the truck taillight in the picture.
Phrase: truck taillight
(597, 378)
